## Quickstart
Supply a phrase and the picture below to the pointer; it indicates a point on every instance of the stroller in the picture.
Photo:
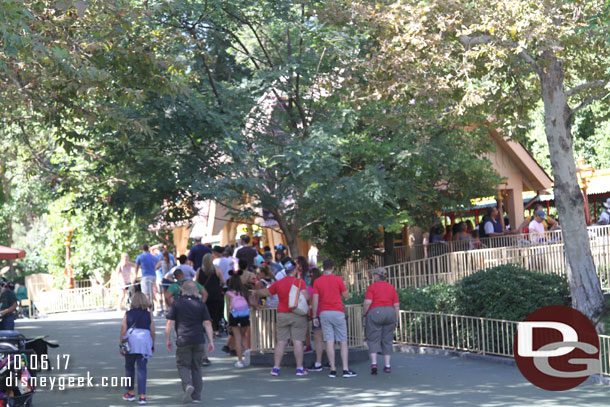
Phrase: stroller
(16, 389)
(133, 288)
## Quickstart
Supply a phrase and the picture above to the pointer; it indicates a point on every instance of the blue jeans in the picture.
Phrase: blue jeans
(7, 323)
(132, 360)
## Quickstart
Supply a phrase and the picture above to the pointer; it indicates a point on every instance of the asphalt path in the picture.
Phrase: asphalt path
(91, 341)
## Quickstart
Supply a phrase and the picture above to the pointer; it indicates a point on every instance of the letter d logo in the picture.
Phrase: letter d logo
(525, 330)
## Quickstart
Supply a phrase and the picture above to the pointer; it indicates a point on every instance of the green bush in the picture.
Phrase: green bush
(504, 292)
(509, 292)
(434, 298)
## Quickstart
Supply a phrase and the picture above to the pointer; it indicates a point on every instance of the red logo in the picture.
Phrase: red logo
(557, 348)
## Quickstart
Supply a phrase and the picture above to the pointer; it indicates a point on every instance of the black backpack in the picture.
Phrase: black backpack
(482, 233)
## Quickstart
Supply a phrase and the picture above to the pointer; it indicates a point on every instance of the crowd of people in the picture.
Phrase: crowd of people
(534, 226)
(210, 283)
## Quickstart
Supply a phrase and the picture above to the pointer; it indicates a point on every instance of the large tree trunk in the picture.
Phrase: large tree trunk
(291, 233)
(584, 284)
(388, 248)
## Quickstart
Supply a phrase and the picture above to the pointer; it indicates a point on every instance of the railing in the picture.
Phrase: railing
(453, 266)
(470, 334)
(76, 299)
(264, 328)
(420, 251)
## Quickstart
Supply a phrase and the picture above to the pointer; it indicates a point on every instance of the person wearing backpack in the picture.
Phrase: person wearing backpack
(238, 305)
(290, 324)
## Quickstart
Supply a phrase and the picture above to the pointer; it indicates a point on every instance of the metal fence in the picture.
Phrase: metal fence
(76, 299)
(470, 334)
(263, 329)
(452, 266)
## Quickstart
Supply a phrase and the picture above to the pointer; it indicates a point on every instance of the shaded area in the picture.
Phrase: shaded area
(417, 380)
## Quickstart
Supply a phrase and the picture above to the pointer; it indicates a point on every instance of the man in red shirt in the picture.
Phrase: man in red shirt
(328, 292)
(289, 324)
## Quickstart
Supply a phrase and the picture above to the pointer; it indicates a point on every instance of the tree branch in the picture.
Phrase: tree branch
(588, 101)
(586, 85)
(471, 41)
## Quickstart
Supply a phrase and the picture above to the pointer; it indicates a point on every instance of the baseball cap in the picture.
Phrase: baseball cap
(289, 265)
(541, 214)
(381, 271)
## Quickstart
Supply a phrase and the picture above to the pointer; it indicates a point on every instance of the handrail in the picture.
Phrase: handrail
(484, 336)
(453, 266)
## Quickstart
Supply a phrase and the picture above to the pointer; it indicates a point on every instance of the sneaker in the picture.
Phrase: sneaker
(196, 401)
(315, 368)
(226, 349)
(302, 372)
(387, 369)
(247, 357)
(307, 349)
(333, 373)
(327, 366)
(142, 400)
(275, 371)
(206, 362)
(349, 373)
(188, 392)
(373, 369)
(129, 396)
(239, 365)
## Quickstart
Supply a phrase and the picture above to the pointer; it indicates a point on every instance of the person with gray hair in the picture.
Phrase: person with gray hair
(192, 323)
(381, 312)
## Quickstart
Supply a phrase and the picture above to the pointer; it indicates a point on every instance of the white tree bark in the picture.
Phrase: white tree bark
(584, 283)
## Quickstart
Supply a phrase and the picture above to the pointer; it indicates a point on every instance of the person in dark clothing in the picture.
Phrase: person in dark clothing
(197, 252)
(212, 279)
(192, 321)
(246, 252)
(8, 305)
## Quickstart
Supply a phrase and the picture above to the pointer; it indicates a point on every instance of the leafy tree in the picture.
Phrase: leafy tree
(493, 61)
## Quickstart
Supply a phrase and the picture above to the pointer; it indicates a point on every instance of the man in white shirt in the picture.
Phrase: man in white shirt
(189, 272)
(604, 218)
(224, 263)
(536, 228)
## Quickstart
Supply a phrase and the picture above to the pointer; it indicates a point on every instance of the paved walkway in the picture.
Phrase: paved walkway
(91, 339)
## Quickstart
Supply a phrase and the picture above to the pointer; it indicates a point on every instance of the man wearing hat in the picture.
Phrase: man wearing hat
(604, 218)
(536, 227)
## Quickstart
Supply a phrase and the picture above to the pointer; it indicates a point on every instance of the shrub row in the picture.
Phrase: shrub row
(504, 292)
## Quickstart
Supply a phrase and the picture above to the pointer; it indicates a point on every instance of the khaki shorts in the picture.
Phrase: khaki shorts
(291, 326)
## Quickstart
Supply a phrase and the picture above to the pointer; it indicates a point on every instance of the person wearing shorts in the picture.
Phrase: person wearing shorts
(328, 292)
(289, 325)
(147, 262)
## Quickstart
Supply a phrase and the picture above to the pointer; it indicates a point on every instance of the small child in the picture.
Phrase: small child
(238, 304)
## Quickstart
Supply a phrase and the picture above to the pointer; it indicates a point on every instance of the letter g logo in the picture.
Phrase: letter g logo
(557, 348)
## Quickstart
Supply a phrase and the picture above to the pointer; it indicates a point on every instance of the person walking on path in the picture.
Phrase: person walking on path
(246, 252)
(328, 291)
(138, 327)
(290, 326)
(196, 254)
(238, 306)
(381, 313)
(211, 278)
(173, 291)
(123, 277)
(147, 262)
(192, 322)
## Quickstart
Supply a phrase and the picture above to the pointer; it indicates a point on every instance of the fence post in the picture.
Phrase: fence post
(484, 339)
